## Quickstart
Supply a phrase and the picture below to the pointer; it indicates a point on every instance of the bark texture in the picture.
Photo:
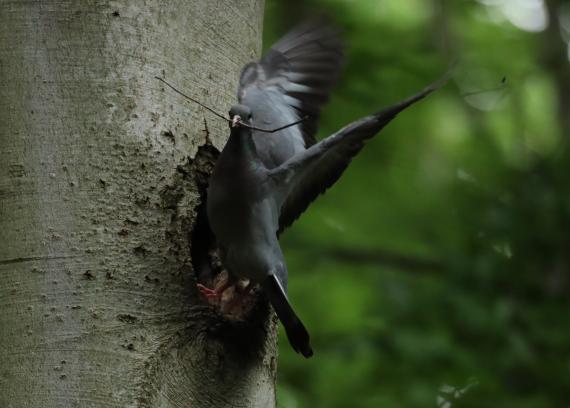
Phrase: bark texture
(100, 171)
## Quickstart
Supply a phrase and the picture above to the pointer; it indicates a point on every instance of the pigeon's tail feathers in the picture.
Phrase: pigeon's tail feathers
(296, 333)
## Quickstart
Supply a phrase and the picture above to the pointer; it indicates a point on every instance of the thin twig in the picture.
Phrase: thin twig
(228, 119)
(191, 99)
(304, 118)
(503, 87)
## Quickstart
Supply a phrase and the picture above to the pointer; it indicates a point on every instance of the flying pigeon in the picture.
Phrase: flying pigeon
(263, 181)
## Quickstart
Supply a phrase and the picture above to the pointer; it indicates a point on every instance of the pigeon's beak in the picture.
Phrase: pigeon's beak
(236, 120)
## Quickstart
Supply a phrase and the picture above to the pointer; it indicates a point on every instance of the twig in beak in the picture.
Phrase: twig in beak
(236, 120)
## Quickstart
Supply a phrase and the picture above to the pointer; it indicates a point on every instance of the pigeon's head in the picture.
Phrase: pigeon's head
(240, 114)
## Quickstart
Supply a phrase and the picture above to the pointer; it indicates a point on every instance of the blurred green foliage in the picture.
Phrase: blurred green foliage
(435, 273)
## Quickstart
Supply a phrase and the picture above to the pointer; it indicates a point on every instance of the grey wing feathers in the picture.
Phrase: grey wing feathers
(296, 332)
(310, 173)
(301, 67)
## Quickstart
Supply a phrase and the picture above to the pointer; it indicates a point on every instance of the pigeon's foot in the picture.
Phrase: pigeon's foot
(220, 284)
(209, 293)
(232, 298)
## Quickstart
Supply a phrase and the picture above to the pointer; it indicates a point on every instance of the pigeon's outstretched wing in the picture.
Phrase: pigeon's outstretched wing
(292, 80)
(308, 174)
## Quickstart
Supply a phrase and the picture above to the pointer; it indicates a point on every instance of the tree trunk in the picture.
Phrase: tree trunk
(101, 169)
(555, 59)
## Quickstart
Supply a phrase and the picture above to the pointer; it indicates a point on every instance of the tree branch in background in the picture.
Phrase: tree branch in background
(381, 257)
(555, 60)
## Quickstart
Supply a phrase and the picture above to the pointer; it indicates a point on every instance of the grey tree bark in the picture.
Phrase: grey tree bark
(100, 172)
